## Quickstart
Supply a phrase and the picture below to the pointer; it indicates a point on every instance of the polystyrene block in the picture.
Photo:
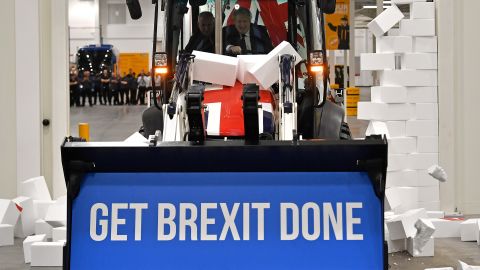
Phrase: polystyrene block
(400, 2)
(245, 62)
(403, 226)
(417, 27)
(42, 227)
(427, 144)
(397, 128)
(377, 61)
(9, 212)
(428, 194)
(408, 78)
(396, 245)
(397, 162)
(422, 128)
(6, 235)
(59, 234)
(47, 254)
(426, 111)
(430, 206)
(403, 145)
(425, 44)
(214, 68)
(427, 251)
(394, 32)
(468, 230)
(419, 61)
(41, 208)
(377, 128)
(136, 138)
(425, 179)
(36, 189)
(384, 111)
(446, 228)
(435, 214)
(463, 266)
(440, 268)
(56, 215)
(27, 245)
(422, 10)
(26, 223)
(394, 44)
(266, 70)
(406, 178)
(385, 21)
(409, 197)
(392, 199)
(422, 161)
(422, 94)
(389, 94)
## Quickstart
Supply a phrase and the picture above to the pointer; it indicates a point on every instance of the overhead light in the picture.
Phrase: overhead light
(374, 7)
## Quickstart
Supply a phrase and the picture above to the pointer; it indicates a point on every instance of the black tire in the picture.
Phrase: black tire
(345, 133)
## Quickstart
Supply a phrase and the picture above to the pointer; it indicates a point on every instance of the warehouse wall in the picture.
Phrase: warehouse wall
(459, 96)
(8, 152)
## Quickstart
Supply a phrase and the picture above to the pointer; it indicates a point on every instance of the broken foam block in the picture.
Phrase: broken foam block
(403, 226)
(428, 249)
(266, 70)
(446, 228)
(392, 199)
(42, 227)
(47, 254)
(385, 21)
(214, 68)
(56, 215)
(6, 235)
(246, 62)
(26, 223)
(9, 212)
(468, 230)
(59, 234)
(464, 266)
(41, 208)
(36, 189)
(27, 244)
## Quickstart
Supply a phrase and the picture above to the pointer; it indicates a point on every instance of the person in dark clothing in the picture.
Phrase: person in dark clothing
(143, 82)
(132, 85)
(114, 90)
(74, 90)
(98, 89)
(343, 33)
(105, 81)
(244, 37)
(204, 39)
(87, 88)
(124, 89)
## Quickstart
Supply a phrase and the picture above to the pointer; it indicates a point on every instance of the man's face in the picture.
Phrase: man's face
(344, 22)
(242, 23)
(105, 72)
(206, 26)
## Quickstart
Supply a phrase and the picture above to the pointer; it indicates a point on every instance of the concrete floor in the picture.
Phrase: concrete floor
(447, 252)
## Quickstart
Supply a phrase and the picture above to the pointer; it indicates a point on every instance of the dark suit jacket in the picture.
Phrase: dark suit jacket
(259, 39)
(199, 42)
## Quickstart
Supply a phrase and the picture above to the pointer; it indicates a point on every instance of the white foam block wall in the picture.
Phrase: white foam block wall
(419, 61)
(397, 128)
(422, 94)
(417, 27)
(425, 44)
(384, 112)
(377, 61)
(422, 10)
(389, 94)
(394, 44)
(408, 78)
(400, 2)
(385, 21)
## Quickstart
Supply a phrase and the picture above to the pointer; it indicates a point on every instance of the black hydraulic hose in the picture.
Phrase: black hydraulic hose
(325, 60)
(154, 51)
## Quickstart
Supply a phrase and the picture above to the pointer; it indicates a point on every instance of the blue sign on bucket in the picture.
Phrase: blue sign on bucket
(270, 220)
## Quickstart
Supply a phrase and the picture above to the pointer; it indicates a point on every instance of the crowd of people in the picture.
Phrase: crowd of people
(109, 89)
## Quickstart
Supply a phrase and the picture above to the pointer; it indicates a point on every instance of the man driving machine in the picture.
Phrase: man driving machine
(245, 37)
